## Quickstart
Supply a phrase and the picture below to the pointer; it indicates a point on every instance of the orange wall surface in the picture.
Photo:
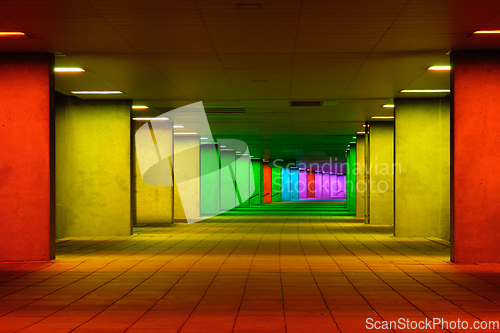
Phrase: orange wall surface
(26, 158)
(311, 184)
(476, 141)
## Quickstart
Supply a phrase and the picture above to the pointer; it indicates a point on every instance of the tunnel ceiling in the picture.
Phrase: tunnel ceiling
(354, 56)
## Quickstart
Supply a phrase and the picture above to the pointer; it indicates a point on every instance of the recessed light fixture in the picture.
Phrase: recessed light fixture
(365, 125)
(425, 90)
(96, 92)
(479, 32)
(222, 146)
(140, 107)
(150, 119)
(439, 68)
(178, 126)
(361, 132)
(383, 117)
(12, 34)
(388, 105)
(352, 142)
(185, 133)
(69, 70)
(204, 138)
(252, 156)
(238, 152)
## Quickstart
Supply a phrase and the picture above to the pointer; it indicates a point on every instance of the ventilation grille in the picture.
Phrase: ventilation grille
(306, 103)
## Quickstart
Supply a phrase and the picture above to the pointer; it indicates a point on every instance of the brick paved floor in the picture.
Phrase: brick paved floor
(246, 272)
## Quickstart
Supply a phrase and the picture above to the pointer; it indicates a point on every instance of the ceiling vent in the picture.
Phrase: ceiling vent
(306, 103)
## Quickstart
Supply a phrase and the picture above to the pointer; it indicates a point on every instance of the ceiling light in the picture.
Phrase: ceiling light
(388, 105)
(238, 152)
(366, 125)
(383, 117)
(252, 156)
(439, 68)
(96, 92)
(223, 146)
(140, 107)
(361, 132)
(425, 90)
(487, 32)
(178, 126)
(354, 137)
(69, 70)
(150, 119)
(352, 142)
(185, 133)
(11, 34)
(204, 138)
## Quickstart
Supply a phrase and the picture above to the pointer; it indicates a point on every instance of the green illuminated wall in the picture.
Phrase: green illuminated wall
(256, 196)
(243, 179)
(382, 173)
(93, 168)
(228, 198)
(276, 184)
(360, 176)
(210, 179)
(351, 180)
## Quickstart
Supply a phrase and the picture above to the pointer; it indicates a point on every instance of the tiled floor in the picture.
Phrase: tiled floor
(244, 272)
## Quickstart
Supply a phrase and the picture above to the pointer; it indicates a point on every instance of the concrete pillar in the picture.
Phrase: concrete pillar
(153, 204)
(351, 180)
(266, 183)
(318, 185)
(256, 197)
(326, 185)
(243, 180)
(381, 173)
(422, 168)
(360, 176)
(186, 178)
(475, 157)
(93, 173)
(227, 179)
(276, 184)
(27, 157)
(303, 184)
(286, 192)
(210, 180)
(311, 184)
(294, 183)
(342, 187)
(333, 186)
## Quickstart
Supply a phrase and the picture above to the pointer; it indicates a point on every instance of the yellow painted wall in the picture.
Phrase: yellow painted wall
(153, 204)
(422, 191)
(360, 171)
(382, 173)
(93, 191)
(187, 178)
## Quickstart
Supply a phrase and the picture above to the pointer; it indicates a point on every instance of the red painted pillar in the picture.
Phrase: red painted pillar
(311, 184)
(267, 183)
(475, 227)
(26, 157)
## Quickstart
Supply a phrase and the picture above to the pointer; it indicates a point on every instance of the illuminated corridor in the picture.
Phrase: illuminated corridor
(251, 269)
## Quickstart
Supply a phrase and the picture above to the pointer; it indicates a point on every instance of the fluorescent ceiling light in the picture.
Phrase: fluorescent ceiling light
(487, 32)
(388, 105)
(96, 92)
(178, 126)
(361, 132)
(204, 138)
(425, 90)
(185, 133)
(238, 152)
(383, 117)
(140, 107)
(352, 142)
(150, 119)
(11, 33)
(439, 68)
(69, 70)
